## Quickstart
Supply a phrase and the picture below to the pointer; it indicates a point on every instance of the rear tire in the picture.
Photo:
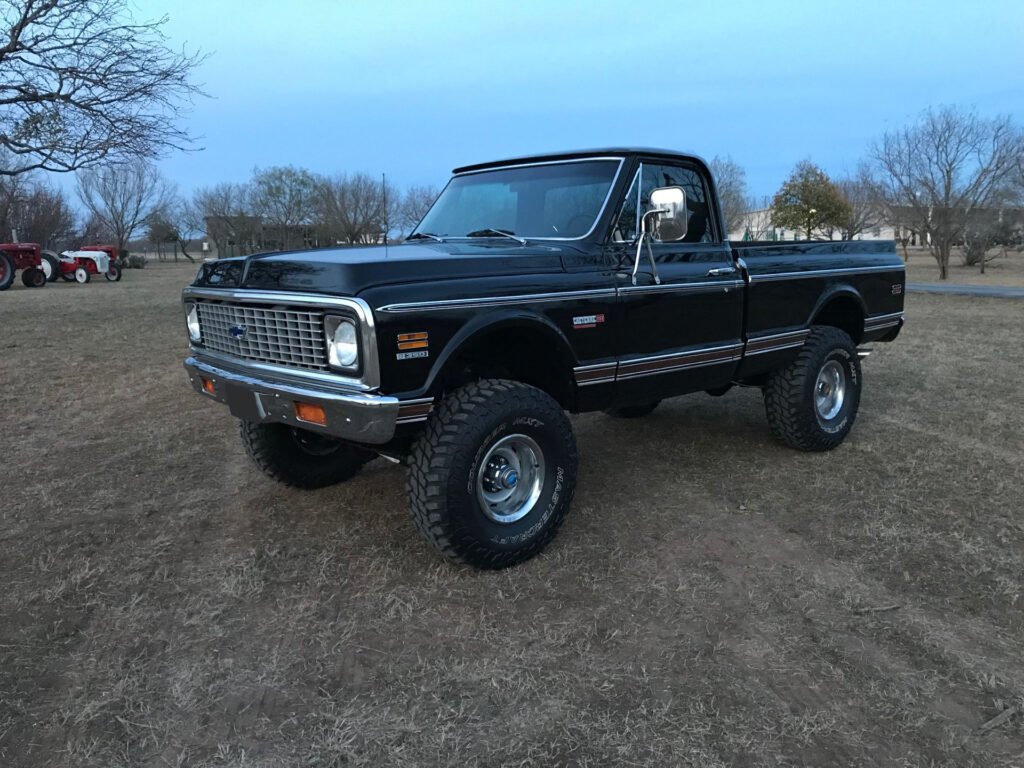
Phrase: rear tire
(300, 458)
(6, 271)
(493, 474)
(33, 277)
(633, 411)
(50, 266)
(812, 403)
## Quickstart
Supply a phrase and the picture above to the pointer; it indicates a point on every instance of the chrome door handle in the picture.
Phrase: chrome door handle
(719, 271)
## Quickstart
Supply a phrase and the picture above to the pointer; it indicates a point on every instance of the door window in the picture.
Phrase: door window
(650, 177)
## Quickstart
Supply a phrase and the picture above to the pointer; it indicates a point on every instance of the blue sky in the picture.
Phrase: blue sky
(412, 89)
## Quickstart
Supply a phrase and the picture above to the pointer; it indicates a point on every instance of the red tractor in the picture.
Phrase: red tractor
(28, 257)
(89, 260)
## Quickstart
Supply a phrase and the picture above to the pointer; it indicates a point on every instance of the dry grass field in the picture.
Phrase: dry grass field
(713, 599)
(1005, 269)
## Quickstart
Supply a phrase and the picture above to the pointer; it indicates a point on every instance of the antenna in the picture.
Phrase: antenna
(384, 210)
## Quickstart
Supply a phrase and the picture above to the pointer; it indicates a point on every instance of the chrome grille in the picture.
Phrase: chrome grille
(292, 337)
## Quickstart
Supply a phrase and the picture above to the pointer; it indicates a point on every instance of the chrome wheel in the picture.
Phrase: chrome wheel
(830, 390)
(510, 478)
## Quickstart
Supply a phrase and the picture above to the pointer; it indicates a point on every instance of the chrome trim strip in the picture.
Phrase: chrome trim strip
(707, 286)
(411, 411)
(883, 318)
(772, 276)
(677, 361)
(776, 348)
(775, 342)
(597, 373)
(497, 301)
(370, 379)
(600, 213)
(881, 326)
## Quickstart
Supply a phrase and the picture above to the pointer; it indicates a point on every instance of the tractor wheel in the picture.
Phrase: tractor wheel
(6, 271)
(33, 277)
(50, 266)
(113, 274)
(82, 275)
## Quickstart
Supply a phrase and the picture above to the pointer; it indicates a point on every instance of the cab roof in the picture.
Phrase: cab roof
(579, 154)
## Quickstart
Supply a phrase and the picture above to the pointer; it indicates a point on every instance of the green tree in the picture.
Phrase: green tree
(810, 203)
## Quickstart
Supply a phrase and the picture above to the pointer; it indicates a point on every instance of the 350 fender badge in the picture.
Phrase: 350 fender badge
(587, 321)
(410, 355)
(897, 289)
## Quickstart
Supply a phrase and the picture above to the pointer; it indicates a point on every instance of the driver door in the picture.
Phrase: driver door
(683, 334)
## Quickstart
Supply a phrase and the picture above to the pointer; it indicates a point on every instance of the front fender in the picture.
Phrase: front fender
(480, 326)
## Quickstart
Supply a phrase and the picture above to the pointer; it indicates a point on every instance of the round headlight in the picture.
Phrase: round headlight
(343, 349)
(192, 319)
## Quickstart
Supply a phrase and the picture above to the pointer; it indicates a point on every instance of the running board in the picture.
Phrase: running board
(862, 353)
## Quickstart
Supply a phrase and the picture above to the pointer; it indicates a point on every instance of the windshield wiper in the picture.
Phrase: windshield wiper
(424, 236)
(491, 231)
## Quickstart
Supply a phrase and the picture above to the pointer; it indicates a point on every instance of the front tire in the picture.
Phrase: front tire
(812, 403)
(113, 273)
(33, 277)
(82, 275)
(50, 266)
(6, 271)
(300, 458)
(493, 474)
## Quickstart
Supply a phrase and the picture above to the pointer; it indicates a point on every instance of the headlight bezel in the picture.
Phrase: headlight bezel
(195, 331)
(342, 354)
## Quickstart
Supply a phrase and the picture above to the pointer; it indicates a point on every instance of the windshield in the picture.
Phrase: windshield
(557, 201)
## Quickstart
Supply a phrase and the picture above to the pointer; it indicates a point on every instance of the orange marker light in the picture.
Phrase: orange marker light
(418, 340)
(208, 385)
(314, 414)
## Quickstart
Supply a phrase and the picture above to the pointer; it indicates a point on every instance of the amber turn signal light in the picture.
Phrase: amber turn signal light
(208, 387)
(314, 414)
(413, 340)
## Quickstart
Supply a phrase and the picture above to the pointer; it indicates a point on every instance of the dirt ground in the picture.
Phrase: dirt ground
(1006, 269)
(713, 599)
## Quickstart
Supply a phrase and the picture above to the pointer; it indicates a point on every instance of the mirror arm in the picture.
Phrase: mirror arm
(645, 237)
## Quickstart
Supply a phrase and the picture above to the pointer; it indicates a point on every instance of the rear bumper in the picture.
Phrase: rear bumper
(355, 416)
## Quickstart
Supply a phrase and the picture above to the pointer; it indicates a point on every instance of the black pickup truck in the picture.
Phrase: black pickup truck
(580, 281)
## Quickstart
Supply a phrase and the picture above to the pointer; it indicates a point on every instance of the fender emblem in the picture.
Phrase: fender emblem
(587, 321)
(897, 289)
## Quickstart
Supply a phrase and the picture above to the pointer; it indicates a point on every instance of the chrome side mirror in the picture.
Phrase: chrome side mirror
(670, 218)
(673, 217)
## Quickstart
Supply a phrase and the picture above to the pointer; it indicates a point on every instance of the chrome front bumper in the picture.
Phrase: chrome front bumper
(355, 416)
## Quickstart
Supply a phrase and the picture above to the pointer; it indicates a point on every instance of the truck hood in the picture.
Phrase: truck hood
(349, 271)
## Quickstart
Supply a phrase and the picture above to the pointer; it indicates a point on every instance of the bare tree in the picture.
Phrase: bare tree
(93, 230)
(224, 211)
(864, 203)
(47, 217)
(83, 83)
(122, 196)
(285, 198)
(948, 165)
(176, 222)
(354, 208)
(731, 181)
(414, 206)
